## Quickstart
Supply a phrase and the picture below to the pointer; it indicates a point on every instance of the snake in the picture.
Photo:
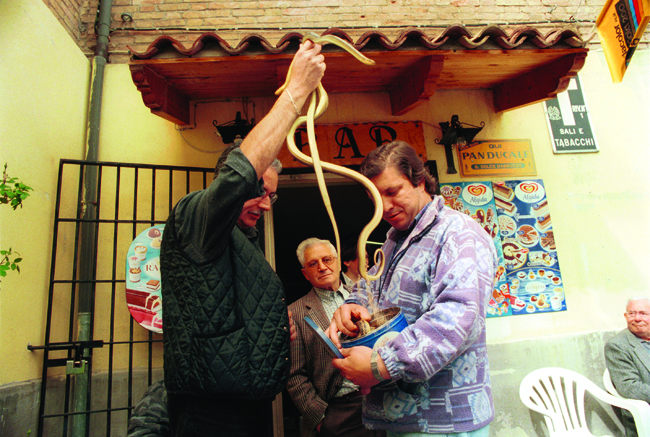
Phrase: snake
(317, 106)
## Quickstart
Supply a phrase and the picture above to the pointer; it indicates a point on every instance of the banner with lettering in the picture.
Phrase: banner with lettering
(516, 214)
(569, 122)
(476, 199)
(621, 24)
(348, 144)
(497, 158)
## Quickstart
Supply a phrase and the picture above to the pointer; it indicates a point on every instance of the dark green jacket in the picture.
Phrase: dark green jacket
(225, 321)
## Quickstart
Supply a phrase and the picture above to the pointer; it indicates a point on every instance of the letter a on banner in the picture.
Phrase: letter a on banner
(620, 25)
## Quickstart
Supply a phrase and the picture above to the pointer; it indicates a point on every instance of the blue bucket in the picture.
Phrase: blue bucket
(388, 324)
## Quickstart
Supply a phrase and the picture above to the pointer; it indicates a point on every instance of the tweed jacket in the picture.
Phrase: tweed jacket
(313, 381)
(441, 276)
(628, 362)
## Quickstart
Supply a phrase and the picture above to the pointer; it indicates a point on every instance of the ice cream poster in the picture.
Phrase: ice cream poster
(528, 244)
(143, 296)
(476, 199)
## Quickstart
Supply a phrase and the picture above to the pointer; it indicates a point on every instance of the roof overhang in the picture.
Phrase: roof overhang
(521, 68)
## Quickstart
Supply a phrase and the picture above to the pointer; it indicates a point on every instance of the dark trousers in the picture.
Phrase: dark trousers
(343, 418)
(628, 424)
(191, 416)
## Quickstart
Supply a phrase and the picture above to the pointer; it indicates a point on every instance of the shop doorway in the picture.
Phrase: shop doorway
(300, 213)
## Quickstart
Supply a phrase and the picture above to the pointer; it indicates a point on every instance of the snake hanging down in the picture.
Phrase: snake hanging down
(317, 106)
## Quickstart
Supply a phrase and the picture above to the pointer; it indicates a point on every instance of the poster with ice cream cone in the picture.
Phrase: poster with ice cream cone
(476, 199)
(143, 297)
(528, 245)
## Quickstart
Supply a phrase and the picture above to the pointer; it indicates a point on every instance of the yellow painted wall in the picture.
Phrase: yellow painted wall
(43, 100)
(599, 204)
(598, 201)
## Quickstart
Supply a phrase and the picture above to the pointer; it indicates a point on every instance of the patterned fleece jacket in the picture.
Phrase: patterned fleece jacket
(441, 276)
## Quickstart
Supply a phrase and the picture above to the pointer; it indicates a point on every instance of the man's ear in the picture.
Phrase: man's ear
(304, 274)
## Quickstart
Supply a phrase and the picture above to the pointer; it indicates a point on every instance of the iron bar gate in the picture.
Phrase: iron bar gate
(121, 359)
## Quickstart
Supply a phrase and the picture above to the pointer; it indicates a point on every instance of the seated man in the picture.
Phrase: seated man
(150, 418)
(628, 357)
(330, 405)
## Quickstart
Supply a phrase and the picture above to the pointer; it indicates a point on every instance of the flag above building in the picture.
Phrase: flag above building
(521, 67)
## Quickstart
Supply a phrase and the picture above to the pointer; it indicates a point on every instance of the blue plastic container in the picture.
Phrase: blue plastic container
(391, 322)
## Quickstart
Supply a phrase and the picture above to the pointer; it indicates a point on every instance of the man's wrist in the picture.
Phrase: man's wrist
(375, 368)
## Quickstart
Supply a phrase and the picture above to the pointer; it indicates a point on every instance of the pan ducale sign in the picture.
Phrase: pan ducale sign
(497, 158)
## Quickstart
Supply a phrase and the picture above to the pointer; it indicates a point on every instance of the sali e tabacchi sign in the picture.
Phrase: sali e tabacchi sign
(497, 158)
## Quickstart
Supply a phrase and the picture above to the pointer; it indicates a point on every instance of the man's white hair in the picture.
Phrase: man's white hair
(309, 242)
(634, 299)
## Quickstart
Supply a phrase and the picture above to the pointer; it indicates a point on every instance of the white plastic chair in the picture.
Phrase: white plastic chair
(559, 395)
(609, 385)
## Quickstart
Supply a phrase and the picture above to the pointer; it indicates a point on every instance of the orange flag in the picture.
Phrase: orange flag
(620, 25)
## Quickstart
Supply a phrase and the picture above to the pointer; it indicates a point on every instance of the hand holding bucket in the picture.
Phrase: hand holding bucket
(384, 325)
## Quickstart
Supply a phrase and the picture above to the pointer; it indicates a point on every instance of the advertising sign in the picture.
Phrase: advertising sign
(143, 296)
(568, 121)
(348, 144)
(621, 24)
(528, 244)
(516, 215)
(497, 158)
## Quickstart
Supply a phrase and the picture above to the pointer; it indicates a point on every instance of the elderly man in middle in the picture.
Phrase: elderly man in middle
(330, 405)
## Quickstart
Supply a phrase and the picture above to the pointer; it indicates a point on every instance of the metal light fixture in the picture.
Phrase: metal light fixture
(455, 133)
(238, 128)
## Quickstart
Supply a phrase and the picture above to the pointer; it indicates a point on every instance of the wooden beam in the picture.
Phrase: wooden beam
(158, 95)
(416, 85)
(537, 85)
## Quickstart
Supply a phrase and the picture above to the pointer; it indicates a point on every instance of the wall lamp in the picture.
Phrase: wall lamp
(233, 129)
(455, 133)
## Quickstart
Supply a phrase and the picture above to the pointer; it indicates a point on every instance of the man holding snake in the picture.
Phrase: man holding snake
(227, 330)
(439, 269)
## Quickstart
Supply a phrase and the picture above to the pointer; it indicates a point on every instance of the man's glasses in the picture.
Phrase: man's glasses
(313, 265)
(633, 314)
(272, 197)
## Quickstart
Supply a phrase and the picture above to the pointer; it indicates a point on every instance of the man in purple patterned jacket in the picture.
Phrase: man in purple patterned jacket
(440, 267)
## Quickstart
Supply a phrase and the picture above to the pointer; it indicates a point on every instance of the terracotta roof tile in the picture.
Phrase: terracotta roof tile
(483, 38)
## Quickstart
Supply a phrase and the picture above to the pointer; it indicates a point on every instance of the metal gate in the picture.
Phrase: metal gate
(97, 361)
